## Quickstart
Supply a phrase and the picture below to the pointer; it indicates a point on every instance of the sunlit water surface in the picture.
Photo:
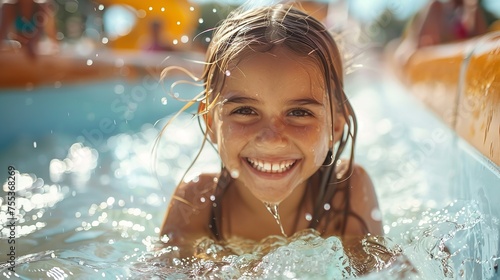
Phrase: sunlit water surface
(94, 211)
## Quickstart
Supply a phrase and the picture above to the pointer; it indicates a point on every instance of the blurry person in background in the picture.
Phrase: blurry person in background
(28, 19)
(444, 22)
(156, 43)
(439, 23)
(75, 38)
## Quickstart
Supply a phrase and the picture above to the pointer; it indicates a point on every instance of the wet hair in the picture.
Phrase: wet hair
(260, 30)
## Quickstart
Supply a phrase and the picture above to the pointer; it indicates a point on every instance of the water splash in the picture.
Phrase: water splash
(305, 255)
(273, 209)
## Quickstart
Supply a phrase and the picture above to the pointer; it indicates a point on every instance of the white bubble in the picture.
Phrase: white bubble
(214, 10)
(235, 173)
(162, 9)
(184, 39)
(326, 206)
(34, 144)
(175, 42)
(150, 8)
(178, 23)
(119, 89)
(101, 7)
(376, 215)
(200, 20)
(308, 217)
(89, 62)
(164, 100)
(191, 8)
(228, 73)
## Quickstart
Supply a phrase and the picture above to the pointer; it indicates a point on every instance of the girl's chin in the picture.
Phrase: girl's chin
(271, 197)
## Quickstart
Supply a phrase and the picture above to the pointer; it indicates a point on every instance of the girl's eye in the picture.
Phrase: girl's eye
(243, 111)
(299, 113)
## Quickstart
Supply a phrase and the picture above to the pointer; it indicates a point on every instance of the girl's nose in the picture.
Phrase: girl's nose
(271, 137)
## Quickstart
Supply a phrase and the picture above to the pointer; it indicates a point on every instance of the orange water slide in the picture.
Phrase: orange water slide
(460, 82)
(177, 18)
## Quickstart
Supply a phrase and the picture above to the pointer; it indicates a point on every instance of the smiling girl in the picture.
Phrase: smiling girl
(275, 108)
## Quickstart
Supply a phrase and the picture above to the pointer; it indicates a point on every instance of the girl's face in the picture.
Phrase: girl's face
(272, 123)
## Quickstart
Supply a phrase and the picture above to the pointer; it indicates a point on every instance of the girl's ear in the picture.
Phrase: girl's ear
(338, 127)
(208, 119)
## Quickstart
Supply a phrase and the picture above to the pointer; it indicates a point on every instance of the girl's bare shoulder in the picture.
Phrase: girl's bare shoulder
(198, 188)
(188, 213)
(364, 199)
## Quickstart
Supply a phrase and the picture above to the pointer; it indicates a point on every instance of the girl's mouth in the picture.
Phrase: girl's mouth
(271, 166)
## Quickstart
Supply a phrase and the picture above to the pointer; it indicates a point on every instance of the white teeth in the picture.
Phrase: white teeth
(271, 167)
(275, 167)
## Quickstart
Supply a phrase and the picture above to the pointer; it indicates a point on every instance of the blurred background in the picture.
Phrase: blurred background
(103, 30)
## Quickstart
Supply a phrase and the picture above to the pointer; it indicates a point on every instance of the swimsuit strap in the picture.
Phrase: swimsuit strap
(25, 26)
(215, 222)
(22, 23)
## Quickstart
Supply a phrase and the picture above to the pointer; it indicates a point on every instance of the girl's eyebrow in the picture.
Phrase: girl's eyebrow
(304, 101)
(245, 100)
(240, 100)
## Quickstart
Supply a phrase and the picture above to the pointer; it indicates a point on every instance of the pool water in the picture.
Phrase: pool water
(90, 205)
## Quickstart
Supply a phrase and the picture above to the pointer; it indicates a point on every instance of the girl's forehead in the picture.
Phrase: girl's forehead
(278, 63)
(278, 73)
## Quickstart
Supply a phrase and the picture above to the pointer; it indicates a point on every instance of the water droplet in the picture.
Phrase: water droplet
(200, 20)
(235, 173)
(34, 144)
(376, 215)
(89, 62)
(273, 209)
(175, 42)
(308, 217)
(164, 100)
(326, 206)
(150, 8)
(214, 10)
(191, 8)
(104, 40)
(228, 73)
(163, 9)
(178, 23)
(184, 39)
